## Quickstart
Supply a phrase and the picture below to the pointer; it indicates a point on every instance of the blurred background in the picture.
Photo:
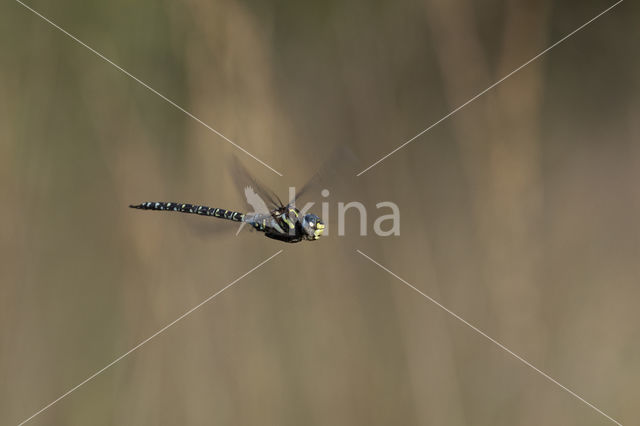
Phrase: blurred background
(519, 213)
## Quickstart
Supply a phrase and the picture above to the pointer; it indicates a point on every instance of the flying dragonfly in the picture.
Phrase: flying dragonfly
(279, 221)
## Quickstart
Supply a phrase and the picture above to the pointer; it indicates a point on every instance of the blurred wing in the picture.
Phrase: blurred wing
(255, 201)
(207, 228)
(244, 179)
(335, 169)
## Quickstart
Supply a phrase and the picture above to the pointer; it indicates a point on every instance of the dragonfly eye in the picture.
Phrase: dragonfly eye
(313, 226)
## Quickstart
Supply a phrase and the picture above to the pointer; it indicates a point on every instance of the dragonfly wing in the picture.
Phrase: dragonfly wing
(245, 180)
(337, 166)
(255, 201)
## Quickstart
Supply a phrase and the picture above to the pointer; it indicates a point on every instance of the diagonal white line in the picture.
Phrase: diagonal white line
(491, 87)
(163, 329)
(145, 85)
(500, 345)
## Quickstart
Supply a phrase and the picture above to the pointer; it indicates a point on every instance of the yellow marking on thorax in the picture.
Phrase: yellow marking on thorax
(287, 221)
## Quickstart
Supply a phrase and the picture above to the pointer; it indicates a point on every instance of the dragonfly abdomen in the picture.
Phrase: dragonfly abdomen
(191, 208)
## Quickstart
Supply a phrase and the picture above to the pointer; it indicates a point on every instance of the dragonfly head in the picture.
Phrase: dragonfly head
(312, 226)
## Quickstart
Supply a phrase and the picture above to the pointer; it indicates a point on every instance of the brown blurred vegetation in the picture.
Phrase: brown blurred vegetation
(519, 213)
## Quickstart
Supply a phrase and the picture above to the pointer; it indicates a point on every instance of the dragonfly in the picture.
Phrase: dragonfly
(278, 221)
